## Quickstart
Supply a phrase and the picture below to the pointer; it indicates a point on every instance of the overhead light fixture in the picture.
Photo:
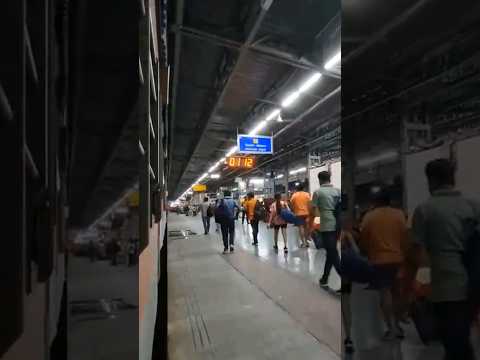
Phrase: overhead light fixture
(213, 167)
(333, 61)
(290, 99)
(279, 176)
(298, 171)
(273, 115)
(256, 181)
(202, 177)
(258, 128)
(310, 82)
(386, 156)
(232, 151)
(215, 176)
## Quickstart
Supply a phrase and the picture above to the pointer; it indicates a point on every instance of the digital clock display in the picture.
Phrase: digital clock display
(241, 162)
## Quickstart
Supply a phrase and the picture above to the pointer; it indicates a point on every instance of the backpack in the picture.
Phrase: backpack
(221, 212)
(259, 212)
(471, 256)
(210, 211)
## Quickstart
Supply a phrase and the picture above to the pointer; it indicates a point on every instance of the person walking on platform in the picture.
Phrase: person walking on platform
(217, 220)
(225, 215)
(441, 227)
(243, 209)
(250, 205)
(277, 222)
(348, 238)
(384, 240)
(326, 204)
(115, 251)
(131, 252)
(204, 209)
(300, 201)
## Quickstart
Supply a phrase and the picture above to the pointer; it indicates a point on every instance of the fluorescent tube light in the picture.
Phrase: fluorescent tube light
(202, 177)
(386, 156)
(333, 61)
(290, 99)
(213, 167)
(310, 82)
(232, 151)
(279, 176)
(215, 176)
(258, 128)
(273, 115)
(256, 181)
(297, 171)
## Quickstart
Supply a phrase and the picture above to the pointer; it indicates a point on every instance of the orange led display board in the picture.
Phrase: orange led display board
(240, 162)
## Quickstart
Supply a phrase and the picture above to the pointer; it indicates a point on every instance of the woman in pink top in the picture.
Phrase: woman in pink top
(276, 222)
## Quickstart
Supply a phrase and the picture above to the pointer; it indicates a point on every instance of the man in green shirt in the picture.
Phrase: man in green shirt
(438, 225)
(325, 203)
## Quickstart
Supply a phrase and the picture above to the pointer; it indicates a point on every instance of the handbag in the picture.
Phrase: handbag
(290, 217)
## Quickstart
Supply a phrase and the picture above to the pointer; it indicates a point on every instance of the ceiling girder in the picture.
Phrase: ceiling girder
(268, 53)
(241, 56)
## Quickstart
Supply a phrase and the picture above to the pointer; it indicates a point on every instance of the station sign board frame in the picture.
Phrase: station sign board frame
(258, 144)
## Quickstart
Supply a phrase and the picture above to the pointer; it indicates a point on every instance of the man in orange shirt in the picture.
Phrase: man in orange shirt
(249, 205)
(300, 205)
(384, 239)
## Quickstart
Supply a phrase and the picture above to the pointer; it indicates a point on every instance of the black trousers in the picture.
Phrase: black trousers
(454, 320)
(329, 240)
(244, 213)
(254, 224)
(228, 233)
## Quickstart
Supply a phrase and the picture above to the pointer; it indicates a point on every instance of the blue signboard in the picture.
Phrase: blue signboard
(258, 144)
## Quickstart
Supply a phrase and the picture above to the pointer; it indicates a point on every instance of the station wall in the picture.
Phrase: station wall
(468, 178)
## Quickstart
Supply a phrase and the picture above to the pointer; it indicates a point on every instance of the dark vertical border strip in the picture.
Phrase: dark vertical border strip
(160, 341)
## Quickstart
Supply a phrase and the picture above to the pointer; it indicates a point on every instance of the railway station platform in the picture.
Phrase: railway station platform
(245, 305)
(256, 304)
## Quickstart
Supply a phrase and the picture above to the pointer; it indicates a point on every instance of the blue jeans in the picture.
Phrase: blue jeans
(206, 224)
